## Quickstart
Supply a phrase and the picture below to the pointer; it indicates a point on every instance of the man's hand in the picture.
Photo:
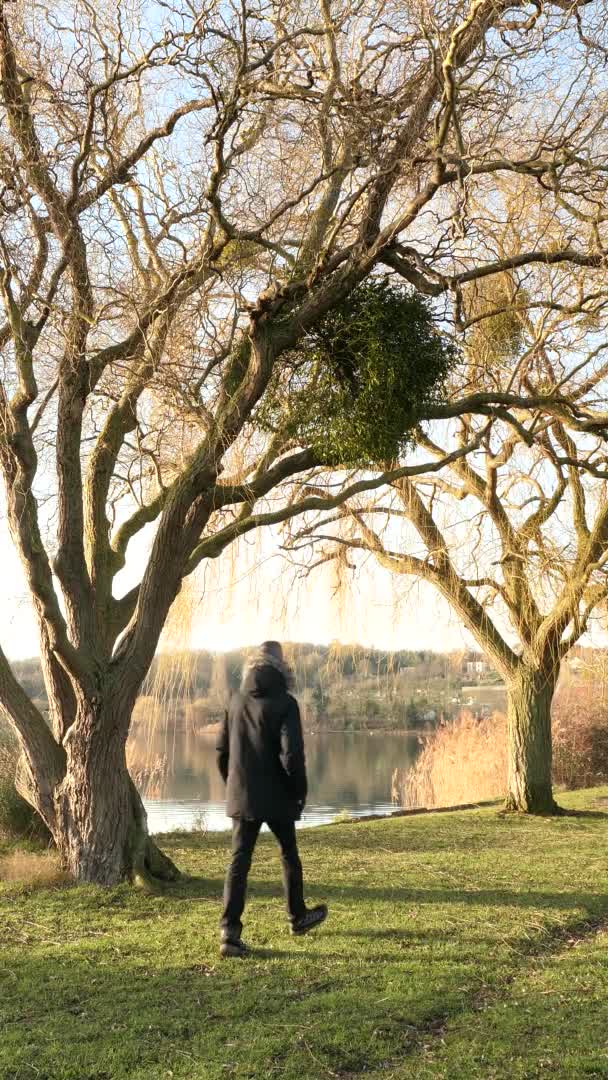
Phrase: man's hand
(222, 748)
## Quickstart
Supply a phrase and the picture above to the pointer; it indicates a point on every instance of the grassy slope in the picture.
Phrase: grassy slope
(449, 953)
(552, 1022)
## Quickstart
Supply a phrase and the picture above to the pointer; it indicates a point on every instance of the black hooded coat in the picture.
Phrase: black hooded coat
(260, 750)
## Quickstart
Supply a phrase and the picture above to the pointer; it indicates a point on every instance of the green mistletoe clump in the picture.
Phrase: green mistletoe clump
(357, 386)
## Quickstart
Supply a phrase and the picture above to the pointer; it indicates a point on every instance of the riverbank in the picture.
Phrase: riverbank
(460, 945)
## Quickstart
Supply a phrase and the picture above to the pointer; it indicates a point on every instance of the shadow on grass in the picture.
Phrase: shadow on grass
(261, 953)
(391, 934)
(467, 831)
(211, 889)
(111, 1020)
(99, 1017)
(114, 1020)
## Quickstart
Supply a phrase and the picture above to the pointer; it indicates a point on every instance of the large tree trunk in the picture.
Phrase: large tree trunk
(530, 694)
(100, 823)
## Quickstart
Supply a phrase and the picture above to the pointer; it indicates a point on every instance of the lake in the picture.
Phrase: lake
(348, 771)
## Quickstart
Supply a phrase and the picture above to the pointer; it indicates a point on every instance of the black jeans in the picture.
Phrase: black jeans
(244, 837)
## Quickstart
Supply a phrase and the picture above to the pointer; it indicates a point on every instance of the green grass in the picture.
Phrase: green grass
(552, 1022)
(459, 945)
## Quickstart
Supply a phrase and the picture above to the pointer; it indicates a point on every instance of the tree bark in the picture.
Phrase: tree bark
(530, 693)
(100, 826)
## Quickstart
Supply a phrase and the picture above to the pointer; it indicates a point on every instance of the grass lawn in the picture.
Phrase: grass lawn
(459, 945)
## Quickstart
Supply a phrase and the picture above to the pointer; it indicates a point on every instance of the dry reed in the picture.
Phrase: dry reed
(37, 869)
(463, 761)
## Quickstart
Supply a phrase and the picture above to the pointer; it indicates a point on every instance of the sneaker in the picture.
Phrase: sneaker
(311, 918)
(233, 946)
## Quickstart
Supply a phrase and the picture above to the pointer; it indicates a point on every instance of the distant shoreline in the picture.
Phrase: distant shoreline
(213, 729)
(369, 731)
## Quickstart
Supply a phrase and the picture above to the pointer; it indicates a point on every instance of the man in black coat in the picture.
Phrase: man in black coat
(260, 754)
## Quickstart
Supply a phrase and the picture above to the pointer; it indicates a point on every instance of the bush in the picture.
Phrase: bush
(580, 735)
(18, 820)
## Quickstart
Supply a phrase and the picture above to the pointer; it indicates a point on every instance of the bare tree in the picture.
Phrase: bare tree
(515, 534)
(186, 189)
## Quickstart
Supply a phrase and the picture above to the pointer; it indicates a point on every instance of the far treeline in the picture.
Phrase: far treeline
(339, 687)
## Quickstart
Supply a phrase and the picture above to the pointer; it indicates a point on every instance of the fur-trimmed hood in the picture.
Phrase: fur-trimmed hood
(269, 655)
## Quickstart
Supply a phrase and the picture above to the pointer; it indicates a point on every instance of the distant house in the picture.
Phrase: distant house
(474, 664)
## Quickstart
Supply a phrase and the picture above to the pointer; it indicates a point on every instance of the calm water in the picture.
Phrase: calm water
(346, 771)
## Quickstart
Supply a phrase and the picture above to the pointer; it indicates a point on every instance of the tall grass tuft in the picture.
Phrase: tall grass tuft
(33, 869)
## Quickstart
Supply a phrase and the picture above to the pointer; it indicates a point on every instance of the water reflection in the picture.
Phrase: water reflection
(347, 771)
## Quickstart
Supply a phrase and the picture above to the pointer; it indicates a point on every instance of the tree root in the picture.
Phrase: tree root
(153, 869)
(159, 864)
(553, 809)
